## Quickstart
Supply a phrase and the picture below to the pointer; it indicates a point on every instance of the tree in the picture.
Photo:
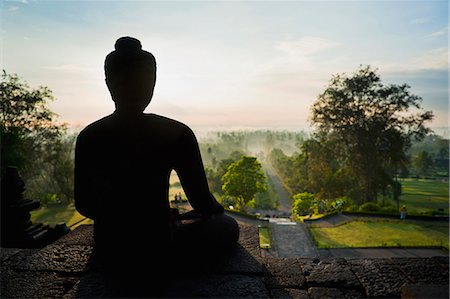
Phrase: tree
(422, 163)
(372, 122)
(302, 203)
(31, 139)
(243, 179)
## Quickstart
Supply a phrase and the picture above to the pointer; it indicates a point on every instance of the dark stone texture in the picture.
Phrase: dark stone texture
(422, 270)
(30, 284)
(289, 293)
(6, 253)
(58, 258)
(322, 293)
(82, 235)
(249, 239)
(329, 272)
(66, 269)
(18, 258)
(284, 272)
(425, 291)
(218, 286)
(92, 285)
(379, 277)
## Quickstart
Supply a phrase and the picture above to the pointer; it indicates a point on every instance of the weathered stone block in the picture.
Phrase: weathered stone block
(284, 272)
(329, 272)
(12, 261)
(321, 293)
(58, 258)
(92, 285)
(379, 277)
(34, 284)
(425, 291)
(82, 235)
(6, 253)
(289, 293)
(422, 270)
(218, 286)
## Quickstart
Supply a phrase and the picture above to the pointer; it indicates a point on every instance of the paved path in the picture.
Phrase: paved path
(285, 198)
(292, 240)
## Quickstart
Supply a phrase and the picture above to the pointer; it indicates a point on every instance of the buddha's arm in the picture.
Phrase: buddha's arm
(189, 167)
(85, 186)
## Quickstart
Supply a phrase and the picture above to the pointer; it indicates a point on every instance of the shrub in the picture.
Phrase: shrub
(302, 203)
(369, 207)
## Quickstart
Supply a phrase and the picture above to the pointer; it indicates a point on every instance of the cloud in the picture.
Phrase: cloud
(71, 68)
(435, 59)
(13, 8)
(420, 21)
(441, 32)
(308, 45)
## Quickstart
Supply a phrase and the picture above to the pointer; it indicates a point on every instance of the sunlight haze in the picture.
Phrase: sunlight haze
(227, 64)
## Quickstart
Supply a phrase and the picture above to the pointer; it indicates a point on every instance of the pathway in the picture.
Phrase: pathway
(285, 198)
(291, 239)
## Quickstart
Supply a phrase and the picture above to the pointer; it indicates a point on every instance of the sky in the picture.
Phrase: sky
(227, 64)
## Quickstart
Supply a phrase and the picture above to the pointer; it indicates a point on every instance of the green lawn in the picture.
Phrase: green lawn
(424, 196)
(389, 233)
(264, 237)
(59, 213)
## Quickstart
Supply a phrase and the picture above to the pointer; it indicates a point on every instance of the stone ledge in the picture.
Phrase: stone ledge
(64, 269)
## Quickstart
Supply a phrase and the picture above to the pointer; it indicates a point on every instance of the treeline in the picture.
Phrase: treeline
(34, 142)
(363, 141)
(318, 169)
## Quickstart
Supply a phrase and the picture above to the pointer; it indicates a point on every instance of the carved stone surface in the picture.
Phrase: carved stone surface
(284, 272)
(58, 258)
(6, 253)
(31, 284)
(422, 270)
(379, 277)
(320, 293)
(329, 272)
(218, 286)
(83, 235)
(64, 269)
(289, 293)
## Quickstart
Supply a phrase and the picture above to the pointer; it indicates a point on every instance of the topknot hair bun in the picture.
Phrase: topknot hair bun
(128, 43)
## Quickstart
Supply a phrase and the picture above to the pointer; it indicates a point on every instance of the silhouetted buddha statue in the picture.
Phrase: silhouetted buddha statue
(122, 167)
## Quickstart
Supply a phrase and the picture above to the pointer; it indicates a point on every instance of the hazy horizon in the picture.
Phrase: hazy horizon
(221, 64)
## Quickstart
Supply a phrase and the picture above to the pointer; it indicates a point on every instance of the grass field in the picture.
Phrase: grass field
(264, 237)
(56, 214)
(386, 233)
(424, 196)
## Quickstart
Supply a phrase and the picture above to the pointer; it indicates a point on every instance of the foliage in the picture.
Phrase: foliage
(56, 171)
(369, 207)
(372, 123)
(227, 201)
(244, 179)
(33, 141)
(422, 163)
(302, 203)
(215, 176)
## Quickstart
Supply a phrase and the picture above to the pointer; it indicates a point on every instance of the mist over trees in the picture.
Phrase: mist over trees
(33, 140)
(366, 136)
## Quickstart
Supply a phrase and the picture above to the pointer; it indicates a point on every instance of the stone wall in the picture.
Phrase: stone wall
(67, 269)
